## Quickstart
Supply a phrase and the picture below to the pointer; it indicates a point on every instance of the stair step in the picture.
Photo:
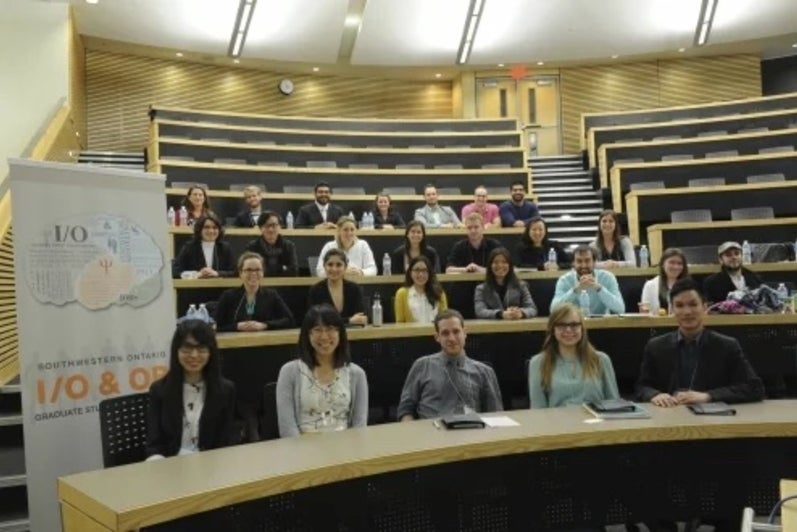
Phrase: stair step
(568, 218)
(586, 194)
(575, 203)
(11, 388)
(7, 420)
(587, 229)
(558, 172)
(573, 188)
(553, 213)
(562, 181)
(14, 522)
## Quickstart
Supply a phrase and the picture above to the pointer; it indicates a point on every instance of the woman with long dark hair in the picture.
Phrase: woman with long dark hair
(532, 250)
(345, 296)
(422, 296)
(191, 408)
(656, 292)
(569, 371)
(323, 390)
(414, 246)
(614, 249)
(502, 295)
(196, 203)
(206, 254)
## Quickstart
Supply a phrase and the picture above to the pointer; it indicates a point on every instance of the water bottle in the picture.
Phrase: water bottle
(795, 250)
(583, 302)
(370, 220)
(289, 220)
(387, 267)
(191, 314)
(364, 221)
(783, 292)
(747, 253)
(202, 313)
(644, 257)
(351, 215)
(376, 311)
(552, 257)
(170, 214)
(183, 220)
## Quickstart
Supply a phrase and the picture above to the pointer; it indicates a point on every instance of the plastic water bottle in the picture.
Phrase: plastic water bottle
(370, 216)
(183, 221)
(170, 214)
(583, 302)
(552, 257)
(289, 220)
(202, 313)
(376, 311)
(795, 250)
(191, 314)
(387, 266)
(783, 292)
(351, 215)
(747, 253)
(644, 257)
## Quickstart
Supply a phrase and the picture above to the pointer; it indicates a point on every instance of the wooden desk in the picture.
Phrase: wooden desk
(788, 512)
(406, 470)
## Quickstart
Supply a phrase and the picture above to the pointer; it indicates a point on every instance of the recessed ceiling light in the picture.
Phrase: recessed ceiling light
(316, 69)
(501, 65)
(681, 50)
(615, 56)
(540, 63)
(92, 1)
(236, 61)
(794, 45)
(179, 54)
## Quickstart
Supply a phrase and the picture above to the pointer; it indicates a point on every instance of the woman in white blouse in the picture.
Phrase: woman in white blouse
(361, 258)
(322, 390)
(421, 297)
(655, 293)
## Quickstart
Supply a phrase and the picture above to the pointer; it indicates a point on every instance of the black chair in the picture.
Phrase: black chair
(766, 178)
(707, 182)
(269, 423)
(692, 215)
(123, 429)
(752, 213)
(647, 185)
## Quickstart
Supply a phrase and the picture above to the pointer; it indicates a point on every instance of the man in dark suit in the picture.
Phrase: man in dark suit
(320, 214)
(732, 276)
(248, 216)
(694, 364)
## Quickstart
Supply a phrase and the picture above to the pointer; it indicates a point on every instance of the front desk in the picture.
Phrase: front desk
(552, 471)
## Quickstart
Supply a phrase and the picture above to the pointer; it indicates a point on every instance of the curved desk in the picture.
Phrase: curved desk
(552, 471)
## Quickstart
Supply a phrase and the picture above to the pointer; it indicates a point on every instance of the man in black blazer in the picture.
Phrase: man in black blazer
(321, 214)
(732, 276)
(694, 364)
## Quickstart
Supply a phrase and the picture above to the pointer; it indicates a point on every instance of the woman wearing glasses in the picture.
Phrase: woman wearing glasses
(279, 254)
(252, 307)
(421, 297)
(207, 255)
(322, 390)
(569, 370)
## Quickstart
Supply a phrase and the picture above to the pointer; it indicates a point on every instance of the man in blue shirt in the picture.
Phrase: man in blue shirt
(517, 211)
(601, 285)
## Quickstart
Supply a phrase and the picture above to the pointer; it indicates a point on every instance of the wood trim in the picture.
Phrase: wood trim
(48, 139)
(788, 512)
(73, 520)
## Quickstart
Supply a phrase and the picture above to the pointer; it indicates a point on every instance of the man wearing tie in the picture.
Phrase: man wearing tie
(321, 214)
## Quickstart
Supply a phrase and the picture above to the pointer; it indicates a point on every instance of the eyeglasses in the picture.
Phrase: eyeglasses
(187, 349)
(573, 326)
(324, 329)
(271, 225)
(420, 270)
(252, 270)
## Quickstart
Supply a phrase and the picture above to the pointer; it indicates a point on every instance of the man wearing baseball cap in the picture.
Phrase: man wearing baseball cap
(732, 275)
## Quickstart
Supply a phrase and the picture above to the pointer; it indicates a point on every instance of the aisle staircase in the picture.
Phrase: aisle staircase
(130, 161)
(566, 198)
(13, 481)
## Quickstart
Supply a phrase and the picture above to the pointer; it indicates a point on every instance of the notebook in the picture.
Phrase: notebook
(623, 410)
(462, 421)
(713, 409)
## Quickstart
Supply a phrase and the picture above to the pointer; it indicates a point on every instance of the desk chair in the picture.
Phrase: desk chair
(496, 166)
(123, 429)
(691, 215)
(722, 153)
(678, 157)
(290, 189)
(765, 178)
(448, 167)
(666, 137)
(229, 160)
(322, 164)
(188, 184)
(349, 190)
(647, 185)
(269, 421)
(714, 133)
(238, 187)
(707, 182)
(399, 191)
(364, 166)
(752, 213)
(449, 191)
(408, 166)
(777, 149)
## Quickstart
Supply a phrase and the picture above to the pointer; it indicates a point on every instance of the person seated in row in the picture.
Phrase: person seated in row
(422, 297)
(251, 212)
(517, 211)
(252, 307)
(532, 249)
(600, 285)
(434, 215)
(196, 203)
(732, 275)
(469, 255)
(693, 364)
(569, 370)
(345, 296)
(206, 254)
(614, 250)
(656, 292)
(279, 254)
(502, 296)
(489, 211)
(384, 215)
(191, 408)
(360, 257)
(321, 214)
(414, 246)
(322, 390)
(448, 382)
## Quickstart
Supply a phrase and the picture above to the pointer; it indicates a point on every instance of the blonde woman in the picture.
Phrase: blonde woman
(358, 252)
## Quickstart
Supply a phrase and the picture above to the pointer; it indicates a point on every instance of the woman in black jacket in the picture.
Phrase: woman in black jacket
(252, 307)
(384, 215)
(191, 408)
(206, 253)
(533, 248)
(414, 246)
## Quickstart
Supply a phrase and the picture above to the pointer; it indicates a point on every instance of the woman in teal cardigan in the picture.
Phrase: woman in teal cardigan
(569, 370)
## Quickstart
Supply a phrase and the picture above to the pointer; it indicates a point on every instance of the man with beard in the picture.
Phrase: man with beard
(448, 382)
(601, 285)
(732, 276)
(248, 216)
(320, 214)
(516, 212)
(433, 214)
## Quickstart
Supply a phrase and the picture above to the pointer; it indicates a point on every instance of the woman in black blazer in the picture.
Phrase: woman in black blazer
(531, 251)
(206, 253)
(252, 307)
(414, 246)
(191, 408)
(345, 296)
(384, 215)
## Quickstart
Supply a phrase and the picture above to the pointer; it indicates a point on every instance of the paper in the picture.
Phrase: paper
(500, 421)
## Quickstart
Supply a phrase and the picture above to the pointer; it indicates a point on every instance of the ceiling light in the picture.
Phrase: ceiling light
(469, 33)
(438, 75)
(615, 56)
(236, 61)
(794, 45)
(540, 63)
(316, 69)
(681, 50)
(242, 20)
(352, 20)
(707, 10)
(92, 1)
(179, 54)
(501, 65)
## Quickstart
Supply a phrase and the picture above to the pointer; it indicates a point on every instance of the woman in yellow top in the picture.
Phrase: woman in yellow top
(421, 297)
